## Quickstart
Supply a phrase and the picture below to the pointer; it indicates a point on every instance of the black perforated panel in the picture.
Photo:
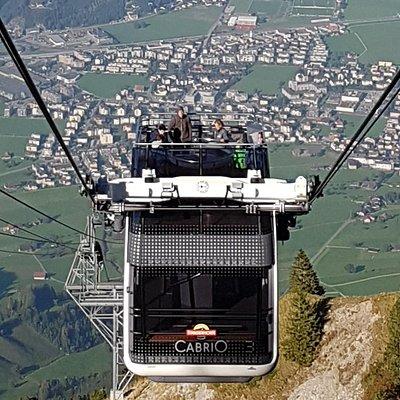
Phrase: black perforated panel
(183, 245)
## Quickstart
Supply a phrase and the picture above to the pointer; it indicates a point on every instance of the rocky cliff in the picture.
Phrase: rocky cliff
(354, 340)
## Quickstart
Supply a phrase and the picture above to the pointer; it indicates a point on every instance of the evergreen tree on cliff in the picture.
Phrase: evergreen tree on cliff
(303, 329)
(303, 278)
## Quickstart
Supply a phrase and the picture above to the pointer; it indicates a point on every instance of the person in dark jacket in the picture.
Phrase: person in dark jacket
(180, 126)
(159, 134)
(220, 133)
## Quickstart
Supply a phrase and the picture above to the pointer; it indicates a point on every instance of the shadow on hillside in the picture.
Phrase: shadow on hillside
(6, 280)
(324, 307)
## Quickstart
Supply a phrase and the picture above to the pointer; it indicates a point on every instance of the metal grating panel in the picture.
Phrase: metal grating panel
(198, 250)
(195, 229)
(183, 245)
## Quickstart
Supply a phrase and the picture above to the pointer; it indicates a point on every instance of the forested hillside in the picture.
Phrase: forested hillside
(38, 329)
(63, 13)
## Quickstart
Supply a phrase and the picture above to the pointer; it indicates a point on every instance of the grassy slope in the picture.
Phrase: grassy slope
(24, 348)
(191, 22)
(85, 363)
(63, 203)
(327, 216)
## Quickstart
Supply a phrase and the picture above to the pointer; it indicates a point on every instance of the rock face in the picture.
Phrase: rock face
(347, 347)
(186, 391)
(345, 355)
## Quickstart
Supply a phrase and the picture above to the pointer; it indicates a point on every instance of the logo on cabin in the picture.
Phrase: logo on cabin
(201, 330)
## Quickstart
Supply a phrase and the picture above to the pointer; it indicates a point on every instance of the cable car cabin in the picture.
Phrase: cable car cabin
(200, 278)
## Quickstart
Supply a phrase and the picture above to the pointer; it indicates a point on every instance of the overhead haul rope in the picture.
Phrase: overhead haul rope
(54, 219)
(23, 252)
(360, 134)
(8, 43)
(45, 239)
(13, 52)
(28, 238)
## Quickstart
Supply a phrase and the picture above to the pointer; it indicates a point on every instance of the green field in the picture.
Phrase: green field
(347, 43)
(381, 272)
(108, 85)
(352, 122)
(290, 22)
(241, 6)
(278, 12)
(314, 8)
(194, 21)
(379, 40)
(371, 9)
(96, 359)
(266, 7)
(22, 127)
(266, 79)
(314, 12)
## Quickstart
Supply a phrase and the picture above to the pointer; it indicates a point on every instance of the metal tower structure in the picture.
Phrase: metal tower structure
(102, 303)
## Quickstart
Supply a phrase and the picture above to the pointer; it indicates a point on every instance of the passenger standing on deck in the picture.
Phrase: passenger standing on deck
(221, 134)
(180, 126)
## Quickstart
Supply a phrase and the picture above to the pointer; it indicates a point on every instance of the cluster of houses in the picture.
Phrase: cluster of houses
(310, 107)
(369, 210)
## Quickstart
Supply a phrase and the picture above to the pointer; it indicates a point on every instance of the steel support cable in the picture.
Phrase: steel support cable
(45, 239)
(13, 52)
(360, 134)
(22, 252)
(54, 219)
(359, 140)
(28, 238)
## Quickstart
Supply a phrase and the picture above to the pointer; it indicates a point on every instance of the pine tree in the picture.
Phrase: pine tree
(303, 277)
(303, 330)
